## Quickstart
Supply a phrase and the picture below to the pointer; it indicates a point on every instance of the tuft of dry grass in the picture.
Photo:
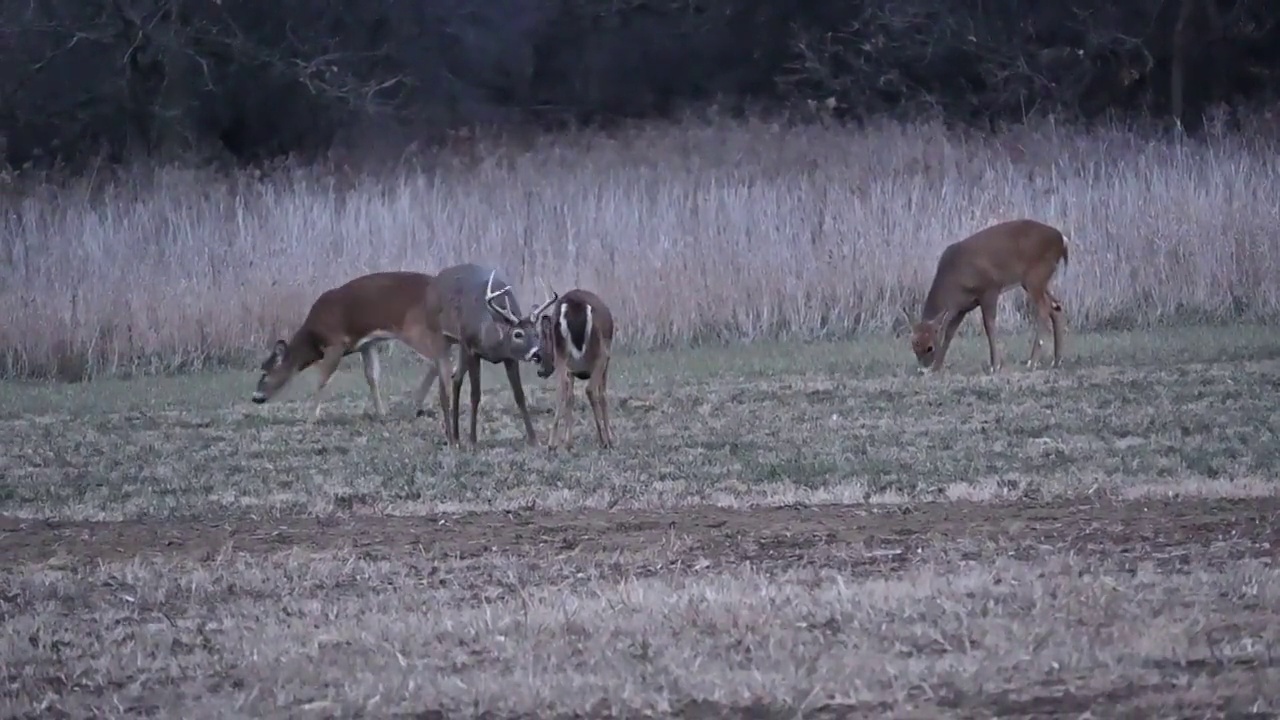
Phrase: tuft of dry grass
(692, 232)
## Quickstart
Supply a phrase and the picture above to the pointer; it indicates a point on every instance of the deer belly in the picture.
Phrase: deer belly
(374, 337)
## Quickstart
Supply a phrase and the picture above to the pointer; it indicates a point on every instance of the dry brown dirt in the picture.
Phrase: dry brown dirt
(1147, 529)
(1168, 535)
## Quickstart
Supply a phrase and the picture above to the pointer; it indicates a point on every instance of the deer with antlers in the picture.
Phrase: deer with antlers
(974, 272)
(355, 317)
(464, 306)
(576, 342)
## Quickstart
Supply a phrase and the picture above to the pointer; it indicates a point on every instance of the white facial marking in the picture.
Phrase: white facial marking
(258, 395)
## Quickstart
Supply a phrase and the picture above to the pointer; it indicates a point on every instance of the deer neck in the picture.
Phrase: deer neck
(938, 302)
(304, 349)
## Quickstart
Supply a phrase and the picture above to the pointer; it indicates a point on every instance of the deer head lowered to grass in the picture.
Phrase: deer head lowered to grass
(974, 272)
(355, 317)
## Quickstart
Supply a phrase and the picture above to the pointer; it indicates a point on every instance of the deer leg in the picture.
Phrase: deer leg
(437, 352)
(564, 410)
(473, 368)
(1056, 320)
(568, 402)
(1039, 318)
(464, 365)
(372, 373)
(420, 392)
(604, 400)
(595, 396)
(327, 365)
(447, 401)
(555, 423)
(988, 304)
(949, 332)
(517, 389)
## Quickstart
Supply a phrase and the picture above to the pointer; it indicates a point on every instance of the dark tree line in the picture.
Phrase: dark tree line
(247, 79)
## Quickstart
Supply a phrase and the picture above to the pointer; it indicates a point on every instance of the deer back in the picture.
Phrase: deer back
(1002, 254)
(993, 259)
(465, 315)
(382, 302)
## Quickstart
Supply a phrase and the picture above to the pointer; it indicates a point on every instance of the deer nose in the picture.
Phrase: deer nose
(259, 398)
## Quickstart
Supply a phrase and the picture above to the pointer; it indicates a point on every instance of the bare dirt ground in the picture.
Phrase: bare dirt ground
(1099, 542)
(1093, 573)
(852, 538)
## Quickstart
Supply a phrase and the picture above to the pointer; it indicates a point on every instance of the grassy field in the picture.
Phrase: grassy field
(1098, 538)
(770, 423)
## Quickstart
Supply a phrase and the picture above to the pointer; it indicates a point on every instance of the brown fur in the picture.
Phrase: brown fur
(375, 308)
(596, 341)
(975, 271)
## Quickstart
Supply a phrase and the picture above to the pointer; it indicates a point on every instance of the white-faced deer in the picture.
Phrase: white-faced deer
(465, 307)
(355, 317)
(577, 340)
(975, 271)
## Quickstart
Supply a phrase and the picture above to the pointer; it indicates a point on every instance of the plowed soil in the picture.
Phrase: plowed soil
(829, 536)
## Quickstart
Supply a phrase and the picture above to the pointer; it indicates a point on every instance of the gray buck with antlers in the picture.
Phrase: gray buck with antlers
(486, 324)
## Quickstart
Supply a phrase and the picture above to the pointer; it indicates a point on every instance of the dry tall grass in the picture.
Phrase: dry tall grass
(692, 232)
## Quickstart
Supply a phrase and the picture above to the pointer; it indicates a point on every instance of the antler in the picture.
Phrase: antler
(504, 311)
(554, 297)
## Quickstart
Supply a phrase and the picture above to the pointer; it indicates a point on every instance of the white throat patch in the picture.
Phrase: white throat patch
(575, 351)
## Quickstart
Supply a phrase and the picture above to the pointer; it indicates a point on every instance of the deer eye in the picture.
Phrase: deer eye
(929, 349)
(517, 334)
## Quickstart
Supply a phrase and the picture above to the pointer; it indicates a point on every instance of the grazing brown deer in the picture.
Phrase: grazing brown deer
(577, 340)
(351, 318)
(465, 309)
(975, 271)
